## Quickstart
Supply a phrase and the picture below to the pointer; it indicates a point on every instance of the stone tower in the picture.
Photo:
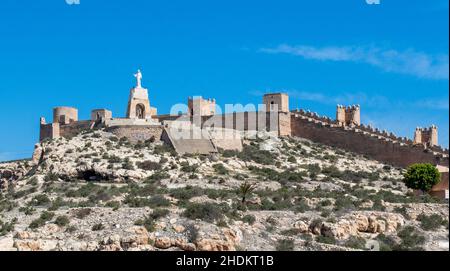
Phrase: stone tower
(426, 136)
(203, 107)
(348, 115)
(65, 115)
(139, 104)
(276, 102)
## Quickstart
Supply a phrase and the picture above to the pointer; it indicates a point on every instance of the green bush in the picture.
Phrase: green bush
(356, 242)
(62, 221)
(253, 153)
(332, 171)
(344, 203)
(85, 190)
(158, 213)
(219, 168)
(115, 205)
(57, 203)
(149, 221)
(113, 159)
(431, 222)
(71, 229)
(387, 243)
(27, 210)
(422, 177)
(149, 165)
(160, 149)
(146, 222)
(411, 239)
(47, 216)
(36, 223)
(292, 159)
(185, 167)
(22, 193)
(301, 206)
(138, 202)
(82, 213)
(290, 232)
(158, 176)
(186, 193)
(98, 227)
(6, 227)
(205, 211)
(159, 201)
(127, 164)
(228, 153)
(285, 245)
(39, 222)
(40, 200)
(192, 233)
(326, 239)
(51, 177)
(250, 219)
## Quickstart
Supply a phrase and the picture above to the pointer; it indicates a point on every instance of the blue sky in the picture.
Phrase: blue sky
(390, 58)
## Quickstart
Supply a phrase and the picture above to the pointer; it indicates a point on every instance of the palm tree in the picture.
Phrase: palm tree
(245, 189)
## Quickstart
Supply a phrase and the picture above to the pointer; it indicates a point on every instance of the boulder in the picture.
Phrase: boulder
(111, 243)
(135, 237)
(301, 226)
(355, 223)
(23, 235)
(163, 242)
(27, 245)
(214, 245)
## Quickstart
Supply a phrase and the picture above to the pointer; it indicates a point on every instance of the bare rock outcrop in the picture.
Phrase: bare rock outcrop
(360, 222)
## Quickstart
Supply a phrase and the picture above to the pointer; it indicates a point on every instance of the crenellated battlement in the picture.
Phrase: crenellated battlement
(370, 131)
(426, 136)
(367, 140)
(348, 115)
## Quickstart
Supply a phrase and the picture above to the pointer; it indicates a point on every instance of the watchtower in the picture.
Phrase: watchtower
(276, 102)
(348, 115)
(426, 136)
(65, 115)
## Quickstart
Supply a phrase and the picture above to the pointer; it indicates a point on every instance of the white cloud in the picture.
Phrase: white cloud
(441, 104)
(405, 62)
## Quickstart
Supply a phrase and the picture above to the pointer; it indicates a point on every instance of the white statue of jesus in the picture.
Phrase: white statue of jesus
(138, 76)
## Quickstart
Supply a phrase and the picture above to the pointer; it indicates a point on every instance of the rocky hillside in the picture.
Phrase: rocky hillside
(98, 192)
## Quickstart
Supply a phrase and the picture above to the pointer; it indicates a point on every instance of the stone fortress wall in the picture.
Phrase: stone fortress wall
(346, 131)
(379, 145)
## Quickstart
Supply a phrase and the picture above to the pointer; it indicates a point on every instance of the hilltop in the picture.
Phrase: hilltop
(95, 191)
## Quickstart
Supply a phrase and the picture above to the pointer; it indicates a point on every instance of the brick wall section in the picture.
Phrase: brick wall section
(137, 133)
(401, 155)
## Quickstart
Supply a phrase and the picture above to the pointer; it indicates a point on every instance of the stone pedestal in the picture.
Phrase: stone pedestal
(139, 104)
